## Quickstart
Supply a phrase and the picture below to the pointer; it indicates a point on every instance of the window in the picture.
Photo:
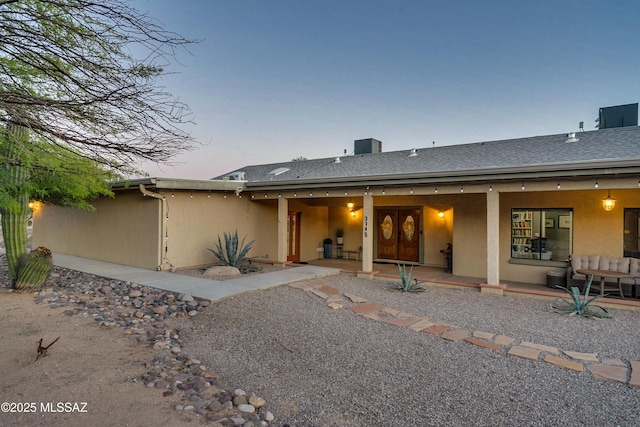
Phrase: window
(631, 235)
(542, 234)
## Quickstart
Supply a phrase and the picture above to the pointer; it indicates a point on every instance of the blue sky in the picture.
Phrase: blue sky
(275, 80)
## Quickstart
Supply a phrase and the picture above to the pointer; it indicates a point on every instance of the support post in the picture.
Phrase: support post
(367, 237)
(493, 285)
(283, 217)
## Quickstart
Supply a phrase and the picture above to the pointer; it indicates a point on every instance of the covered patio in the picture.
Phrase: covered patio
(434, 276)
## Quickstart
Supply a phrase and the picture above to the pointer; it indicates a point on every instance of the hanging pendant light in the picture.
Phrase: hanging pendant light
(608, 203)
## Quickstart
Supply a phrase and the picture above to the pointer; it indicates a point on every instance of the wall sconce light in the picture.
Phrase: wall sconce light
(34, 206)
(353, 214)
(441, 214)
(608, 203)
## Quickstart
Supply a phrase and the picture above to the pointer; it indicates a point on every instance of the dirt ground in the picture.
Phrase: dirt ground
(90, 376)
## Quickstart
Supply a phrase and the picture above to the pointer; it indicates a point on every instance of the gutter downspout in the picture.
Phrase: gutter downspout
(163, 226)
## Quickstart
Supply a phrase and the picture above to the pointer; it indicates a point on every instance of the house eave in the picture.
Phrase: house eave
(159, 184)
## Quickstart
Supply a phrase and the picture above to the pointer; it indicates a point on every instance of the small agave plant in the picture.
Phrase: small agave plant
(407, 284)
(578, 305)
(232, 254)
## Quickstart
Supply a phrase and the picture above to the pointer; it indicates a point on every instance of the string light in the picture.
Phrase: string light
(522, 185)
(558, 186)
(436, 188)
(596, 185)
(461, 188)
(490, 187)
(411, 190)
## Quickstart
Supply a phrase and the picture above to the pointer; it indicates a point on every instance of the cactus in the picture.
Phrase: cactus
(33, 270)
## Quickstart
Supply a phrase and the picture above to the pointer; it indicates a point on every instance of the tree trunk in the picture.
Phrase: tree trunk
(15, 216)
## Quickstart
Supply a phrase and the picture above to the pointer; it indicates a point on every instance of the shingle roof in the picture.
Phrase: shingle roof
(592, 149)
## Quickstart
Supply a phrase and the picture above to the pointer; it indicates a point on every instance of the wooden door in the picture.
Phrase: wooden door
(388, 234)
(293, 237)
(409, 235)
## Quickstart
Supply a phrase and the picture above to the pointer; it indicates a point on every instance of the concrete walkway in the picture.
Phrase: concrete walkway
(198, 287)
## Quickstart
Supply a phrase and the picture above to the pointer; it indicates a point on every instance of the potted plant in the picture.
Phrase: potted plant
(339, 236)
(327, 247)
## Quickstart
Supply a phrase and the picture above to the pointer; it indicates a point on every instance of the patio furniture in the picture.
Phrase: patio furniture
(604, 274)
(352, 252)
(628, 266)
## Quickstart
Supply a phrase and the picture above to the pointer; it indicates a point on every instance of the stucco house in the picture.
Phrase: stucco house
(511, 209)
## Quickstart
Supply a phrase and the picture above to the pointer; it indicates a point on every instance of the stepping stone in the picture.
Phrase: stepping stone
(635, 374)
(559, 361)
(540, 347)
(301, 285)
(400, 322)
(436, 329)
(335, 306)
(484, 344)
(421, 324)
(587, 357)
(455, 335)
(329, 290)
(355, 298)
(504, 340)
(391, 311)
(371, 315)
(608, 372)
(614, 362)
(483, 335)
(363, 308)
(524, 352)
(335, 298)
(320, 294)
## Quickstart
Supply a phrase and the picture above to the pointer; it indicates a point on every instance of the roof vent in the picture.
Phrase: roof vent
(413, 152)
(571, 137)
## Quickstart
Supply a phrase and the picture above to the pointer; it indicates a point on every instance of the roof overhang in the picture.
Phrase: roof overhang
(178, 184)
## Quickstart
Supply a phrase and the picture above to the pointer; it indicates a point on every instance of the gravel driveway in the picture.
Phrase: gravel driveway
(317, 366)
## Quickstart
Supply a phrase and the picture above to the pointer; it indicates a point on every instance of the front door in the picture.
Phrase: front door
(398, 234)
(293, 237)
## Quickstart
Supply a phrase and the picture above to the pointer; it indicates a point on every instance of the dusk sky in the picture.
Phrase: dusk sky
(276, 80)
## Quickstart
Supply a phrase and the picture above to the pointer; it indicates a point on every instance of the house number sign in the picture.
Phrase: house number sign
(366, 225)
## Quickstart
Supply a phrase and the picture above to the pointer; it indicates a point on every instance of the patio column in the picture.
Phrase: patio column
(367, 237)
(283, 217)
(493, 248)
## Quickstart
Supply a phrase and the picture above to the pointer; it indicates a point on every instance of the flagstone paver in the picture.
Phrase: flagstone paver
(421, 324)
(635, 374)
(587, 357)
(540, 347)
(524, 352)
(400, 322)
(354, 298)
(559, 361)
(436, 329)
(329, 290)
(608, 372)
(611, 369)
(484, 344)
(483, 335)
(455, 335)
(363, 308)
(504, 340)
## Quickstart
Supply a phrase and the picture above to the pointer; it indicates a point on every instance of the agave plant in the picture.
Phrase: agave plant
(407, 284)
(232, 254)
(578, 305)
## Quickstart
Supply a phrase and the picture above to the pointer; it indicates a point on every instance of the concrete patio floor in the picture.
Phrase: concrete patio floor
(436, 276)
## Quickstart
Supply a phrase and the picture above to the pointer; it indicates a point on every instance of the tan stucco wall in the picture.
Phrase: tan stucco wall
(595, 231)
(123, 230)
(195, 223)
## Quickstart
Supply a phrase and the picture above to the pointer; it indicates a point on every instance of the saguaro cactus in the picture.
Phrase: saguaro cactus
(33, 270)
(15, 212)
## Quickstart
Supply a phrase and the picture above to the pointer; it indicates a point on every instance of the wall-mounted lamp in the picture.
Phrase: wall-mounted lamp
(34, 206)
(441, 214)
(608, 203)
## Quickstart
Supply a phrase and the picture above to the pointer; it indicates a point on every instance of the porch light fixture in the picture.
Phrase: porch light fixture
(608, 203)
(350, 205)
(441, 214)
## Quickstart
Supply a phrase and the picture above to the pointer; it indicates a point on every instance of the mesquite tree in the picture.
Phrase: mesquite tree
(71, 86)
(67, 73)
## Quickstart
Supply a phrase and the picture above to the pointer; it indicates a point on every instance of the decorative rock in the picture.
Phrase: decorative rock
(256, 401)
(240, 400)
(250, 409)
(192, 313)
(134, 294)
(185, 298)
(161, 309)
(221, 271)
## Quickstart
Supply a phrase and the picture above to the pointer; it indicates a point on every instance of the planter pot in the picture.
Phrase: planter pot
(327, 250)
(339, 240)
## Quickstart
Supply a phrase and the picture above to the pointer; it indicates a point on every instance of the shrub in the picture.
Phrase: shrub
(578, 305)
(232, 254)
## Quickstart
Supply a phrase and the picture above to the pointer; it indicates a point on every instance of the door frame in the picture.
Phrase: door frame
(293, 245)
(397, 231)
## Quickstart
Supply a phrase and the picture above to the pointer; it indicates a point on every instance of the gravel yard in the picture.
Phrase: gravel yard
(316, 366)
